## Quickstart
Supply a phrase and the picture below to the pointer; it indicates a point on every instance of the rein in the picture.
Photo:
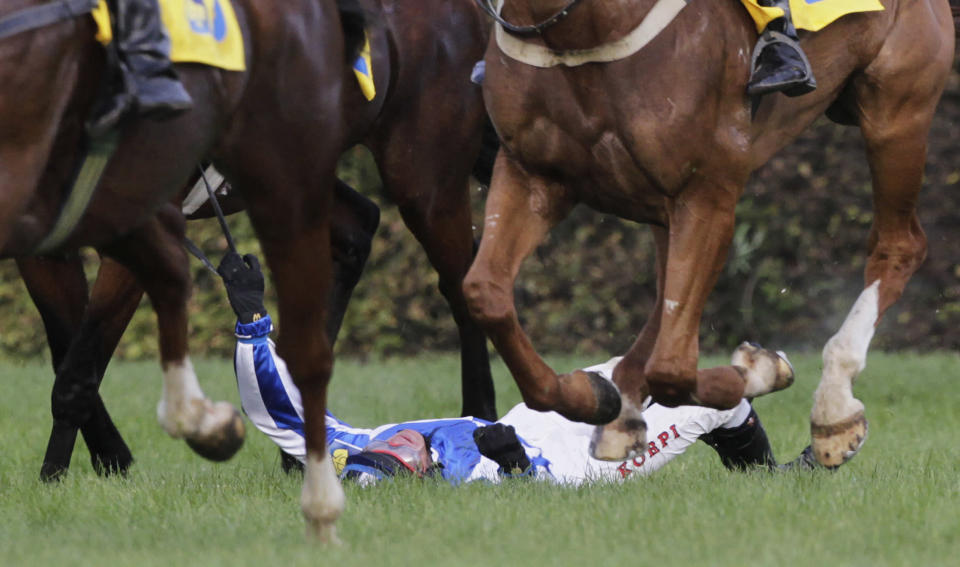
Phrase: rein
(535, 29)
(44, 15)
(192, 247)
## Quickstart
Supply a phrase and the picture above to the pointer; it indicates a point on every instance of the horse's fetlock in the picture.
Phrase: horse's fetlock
(541, 399)
(841, 355)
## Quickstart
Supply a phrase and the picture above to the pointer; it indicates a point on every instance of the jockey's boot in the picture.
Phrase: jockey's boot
(148, 83)
(743, 446)
(805, 462)
(778, 62)
(290, 464)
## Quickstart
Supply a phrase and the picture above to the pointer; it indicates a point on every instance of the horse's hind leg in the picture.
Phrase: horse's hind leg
(664, 358)
(434, 200)
(298, 253)
(155, 255)
(353, 225)
(58, 287)
(520, 211)
(895, 98)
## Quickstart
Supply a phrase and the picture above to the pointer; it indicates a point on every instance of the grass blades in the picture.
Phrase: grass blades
(897, 503)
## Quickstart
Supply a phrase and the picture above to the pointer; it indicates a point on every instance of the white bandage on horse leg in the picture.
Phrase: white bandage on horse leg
(321, 500)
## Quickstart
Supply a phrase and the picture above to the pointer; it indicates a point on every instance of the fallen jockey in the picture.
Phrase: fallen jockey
(542, 445)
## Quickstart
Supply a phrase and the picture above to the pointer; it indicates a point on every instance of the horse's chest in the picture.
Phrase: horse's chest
(618, 169)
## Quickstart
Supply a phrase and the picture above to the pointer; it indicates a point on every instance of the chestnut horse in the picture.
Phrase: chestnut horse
(274, 130)
(665, 135)
(424, 128)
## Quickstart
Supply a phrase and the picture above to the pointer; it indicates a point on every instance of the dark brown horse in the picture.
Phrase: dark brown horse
(274, 130)
(666, 136)
(424, 129)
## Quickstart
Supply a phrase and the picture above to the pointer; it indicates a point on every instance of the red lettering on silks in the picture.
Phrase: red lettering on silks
(676, 434)
(653, 448)
(663, 437)
(624, 471)
(643, 459)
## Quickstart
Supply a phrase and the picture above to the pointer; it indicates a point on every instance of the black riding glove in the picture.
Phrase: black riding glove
(499, 442)
(244, 282)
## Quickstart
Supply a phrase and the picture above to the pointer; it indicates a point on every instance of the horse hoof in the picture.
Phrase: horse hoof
(834, 445)
(111, 464)
(766, 371)
(624, 438)
(588, 397)
(221, 435)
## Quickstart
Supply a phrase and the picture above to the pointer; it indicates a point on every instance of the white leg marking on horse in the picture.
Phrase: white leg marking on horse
(671, 305)
(844, 357)
(182, 403)
(624, 438)
(322, 499)
(765, 371)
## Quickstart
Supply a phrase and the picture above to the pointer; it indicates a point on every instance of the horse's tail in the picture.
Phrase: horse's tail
(353, 20)
(489, 146)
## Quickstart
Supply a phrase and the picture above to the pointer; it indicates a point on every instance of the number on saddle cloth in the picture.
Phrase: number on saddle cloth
(200, 31)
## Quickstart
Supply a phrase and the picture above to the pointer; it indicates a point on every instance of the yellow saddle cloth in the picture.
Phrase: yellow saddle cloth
(206, 31)
(812, 15)
(201, 31)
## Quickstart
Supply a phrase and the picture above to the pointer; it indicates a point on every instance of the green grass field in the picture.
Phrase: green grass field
(898, 503)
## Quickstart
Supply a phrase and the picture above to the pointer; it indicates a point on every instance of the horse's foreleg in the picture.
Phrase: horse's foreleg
(58, 288)
(154, 254)
(520, 210)
(626, 435)
(701, 228)
(299, 259)
(435, 204)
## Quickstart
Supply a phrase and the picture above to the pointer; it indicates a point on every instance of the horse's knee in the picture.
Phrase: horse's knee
(488, 302)
(350, 253)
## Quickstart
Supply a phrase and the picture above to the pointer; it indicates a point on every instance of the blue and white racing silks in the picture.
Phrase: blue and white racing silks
(272, 402)
(557, 447)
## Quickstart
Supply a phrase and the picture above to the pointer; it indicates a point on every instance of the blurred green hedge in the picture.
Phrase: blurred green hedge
(794, 270)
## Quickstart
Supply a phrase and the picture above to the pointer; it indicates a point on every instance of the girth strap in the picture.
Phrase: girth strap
(95, 160)
(44, 15)
(659, 17)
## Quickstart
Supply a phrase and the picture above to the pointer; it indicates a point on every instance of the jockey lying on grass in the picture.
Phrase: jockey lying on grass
(543, 445)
